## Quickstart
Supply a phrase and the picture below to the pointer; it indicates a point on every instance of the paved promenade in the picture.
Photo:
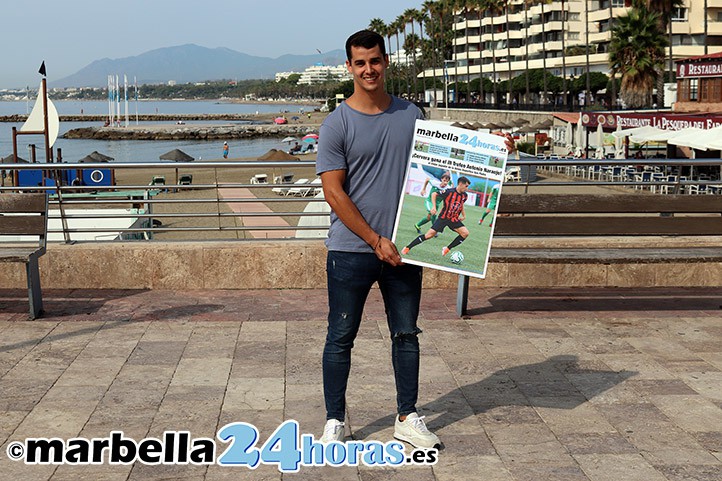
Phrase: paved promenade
(560, 385)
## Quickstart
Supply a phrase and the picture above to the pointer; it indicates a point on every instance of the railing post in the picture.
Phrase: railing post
(462, 295)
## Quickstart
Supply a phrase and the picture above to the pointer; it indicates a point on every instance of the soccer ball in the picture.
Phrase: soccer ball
(457, 257)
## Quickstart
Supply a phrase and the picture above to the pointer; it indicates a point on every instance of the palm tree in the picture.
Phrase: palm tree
(420, 17)
(401, 28)
(377, 25)
(412, 44)
(397, 26)
(388, 32)
(637, 53)
(410, 17)
(664, 9)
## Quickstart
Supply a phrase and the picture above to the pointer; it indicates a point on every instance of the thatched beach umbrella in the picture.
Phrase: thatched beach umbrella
(176, 155)
(10, 159)
(96, 157)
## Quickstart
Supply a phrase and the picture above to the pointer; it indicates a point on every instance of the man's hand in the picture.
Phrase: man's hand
(510, 146)
(386, 251)
(433, 211)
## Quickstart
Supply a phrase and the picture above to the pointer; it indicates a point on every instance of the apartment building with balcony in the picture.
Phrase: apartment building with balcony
(318, 74)
(567, 37)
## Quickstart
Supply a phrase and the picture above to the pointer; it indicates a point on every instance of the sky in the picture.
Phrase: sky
(70, 34)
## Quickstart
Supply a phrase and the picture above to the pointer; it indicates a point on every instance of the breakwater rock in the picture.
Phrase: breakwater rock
(190, 132)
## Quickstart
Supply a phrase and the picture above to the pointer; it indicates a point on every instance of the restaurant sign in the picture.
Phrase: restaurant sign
(696, 70)
(666, 121)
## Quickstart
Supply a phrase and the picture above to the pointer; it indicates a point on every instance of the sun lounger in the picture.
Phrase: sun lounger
(185, 179)
(300, 189)
(259, 179)
(287, 190)
(309, 189)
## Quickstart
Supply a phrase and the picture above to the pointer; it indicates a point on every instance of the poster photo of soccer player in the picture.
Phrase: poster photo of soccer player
(455, 241)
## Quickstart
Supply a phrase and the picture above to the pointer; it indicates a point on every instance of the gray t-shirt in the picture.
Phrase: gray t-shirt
(374, 150)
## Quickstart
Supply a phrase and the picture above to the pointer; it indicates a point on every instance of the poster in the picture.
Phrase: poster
(448, 207)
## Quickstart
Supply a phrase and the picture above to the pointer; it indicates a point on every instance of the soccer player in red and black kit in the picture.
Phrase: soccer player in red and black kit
(451, 216)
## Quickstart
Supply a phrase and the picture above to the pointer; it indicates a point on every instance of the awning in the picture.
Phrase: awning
(710, 139)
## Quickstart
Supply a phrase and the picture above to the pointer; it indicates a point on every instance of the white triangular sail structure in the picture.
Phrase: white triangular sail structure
(36, 119)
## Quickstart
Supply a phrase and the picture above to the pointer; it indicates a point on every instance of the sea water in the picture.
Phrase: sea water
(143, 150)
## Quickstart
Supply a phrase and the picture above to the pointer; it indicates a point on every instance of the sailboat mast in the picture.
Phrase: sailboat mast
(46, 133)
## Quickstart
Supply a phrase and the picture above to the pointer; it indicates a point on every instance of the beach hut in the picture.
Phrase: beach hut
(92, 176)
(176, 155)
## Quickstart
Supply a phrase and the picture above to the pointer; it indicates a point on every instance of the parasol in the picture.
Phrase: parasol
(176, 155)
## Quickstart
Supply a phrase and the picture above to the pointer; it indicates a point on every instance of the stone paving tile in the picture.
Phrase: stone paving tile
(557, 384)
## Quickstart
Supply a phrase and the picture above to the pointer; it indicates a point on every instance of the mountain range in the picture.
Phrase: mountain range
(193, 63)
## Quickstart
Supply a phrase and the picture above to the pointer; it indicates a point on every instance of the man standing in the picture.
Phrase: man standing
(451, 216)
(363, 149)
(225, 150)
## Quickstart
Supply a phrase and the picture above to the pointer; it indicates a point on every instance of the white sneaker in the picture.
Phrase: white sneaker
(413, 430)
(333, 431)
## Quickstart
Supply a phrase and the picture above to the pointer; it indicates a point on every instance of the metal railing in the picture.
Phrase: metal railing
(221, 205)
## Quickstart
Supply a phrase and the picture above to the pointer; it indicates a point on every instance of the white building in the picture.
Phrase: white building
(317, 74)
(555, 34)
(284, 75)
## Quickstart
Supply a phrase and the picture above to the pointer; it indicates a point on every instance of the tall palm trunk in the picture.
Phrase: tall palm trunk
(706, 30)
(508, 52)
(398, 57)
(586, 28)
(468, 54)
(564, 53)
(614, 84)
(493, 58)
(482, 97)
(420, 19)
(544, 55)
(388, 50)
(526, 45)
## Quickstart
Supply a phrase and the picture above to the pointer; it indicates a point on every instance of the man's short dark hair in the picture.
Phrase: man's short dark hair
(463, 180)
(366, 39)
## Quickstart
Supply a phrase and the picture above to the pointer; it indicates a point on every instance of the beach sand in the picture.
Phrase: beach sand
(142, 176)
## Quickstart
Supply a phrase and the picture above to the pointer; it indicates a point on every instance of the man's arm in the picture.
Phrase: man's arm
(433, 202)
(349, 214)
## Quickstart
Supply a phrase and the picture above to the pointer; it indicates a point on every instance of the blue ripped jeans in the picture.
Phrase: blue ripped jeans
(350, 276)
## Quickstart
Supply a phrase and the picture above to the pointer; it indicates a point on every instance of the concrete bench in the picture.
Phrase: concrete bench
(23, 230)
(550, 218)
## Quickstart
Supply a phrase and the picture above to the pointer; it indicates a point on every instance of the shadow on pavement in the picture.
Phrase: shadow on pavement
(557, 383)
